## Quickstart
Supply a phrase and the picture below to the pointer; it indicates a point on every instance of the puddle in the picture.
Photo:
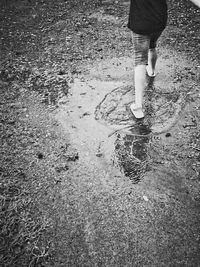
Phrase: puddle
(130, 173)
(162, 109)
(114, 108)
(102, 128)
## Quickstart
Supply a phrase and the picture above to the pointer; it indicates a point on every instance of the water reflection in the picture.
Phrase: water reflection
(131, 151)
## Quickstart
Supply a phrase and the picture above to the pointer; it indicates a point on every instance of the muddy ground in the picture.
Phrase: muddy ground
(82, 182)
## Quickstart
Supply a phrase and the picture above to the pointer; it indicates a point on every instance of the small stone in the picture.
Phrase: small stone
(61, 168)
(168, 135)
(40, 155)
(99, 154)
(73, 157)
(61, 72)
(85, 114)
(145, 198)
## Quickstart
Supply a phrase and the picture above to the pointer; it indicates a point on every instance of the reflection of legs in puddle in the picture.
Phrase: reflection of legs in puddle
(131, 151)
(145, 57)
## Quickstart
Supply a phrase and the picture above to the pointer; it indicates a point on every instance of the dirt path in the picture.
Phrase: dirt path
(133, 187)
(101, 188)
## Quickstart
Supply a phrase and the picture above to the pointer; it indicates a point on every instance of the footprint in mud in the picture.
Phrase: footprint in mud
(114, 108)
(131, 151)
(162, 109)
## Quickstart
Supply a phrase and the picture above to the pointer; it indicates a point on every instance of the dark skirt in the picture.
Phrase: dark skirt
(147, 16)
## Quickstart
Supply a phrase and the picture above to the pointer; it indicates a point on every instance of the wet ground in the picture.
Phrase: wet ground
(83, 182)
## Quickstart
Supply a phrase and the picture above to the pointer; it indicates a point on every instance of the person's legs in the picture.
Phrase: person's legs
(141, 46)
(140, 80)
(152, 54)
(145, 57)
(152, 58)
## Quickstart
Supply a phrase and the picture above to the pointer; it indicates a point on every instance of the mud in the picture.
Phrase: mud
(140, 164)
(102, 188)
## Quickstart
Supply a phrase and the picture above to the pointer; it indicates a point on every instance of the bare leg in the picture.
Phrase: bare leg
(152, 58)
(140, 80)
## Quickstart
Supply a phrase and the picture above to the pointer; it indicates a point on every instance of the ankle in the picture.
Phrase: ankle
(150, 68)
(137, 104)
(150, 71)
